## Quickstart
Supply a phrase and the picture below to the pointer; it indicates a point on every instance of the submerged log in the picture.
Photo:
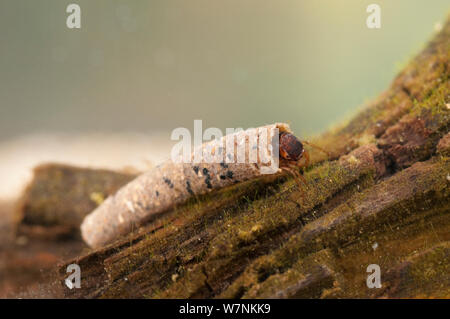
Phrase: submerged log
(60, 196)
(382, 198)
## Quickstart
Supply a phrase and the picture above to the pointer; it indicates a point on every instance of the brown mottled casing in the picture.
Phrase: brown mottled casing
(172, 183)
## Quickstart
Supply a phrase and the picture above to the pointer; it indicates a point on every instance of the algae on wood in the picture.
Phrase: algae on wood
(382, 198)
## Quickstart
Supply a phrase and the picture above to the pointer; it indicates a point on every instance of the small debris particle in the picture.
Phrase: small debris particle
(230, 174)
(189, 188)
(375, 246)
(130, 206)
(157, 193)
(97, 198)
(208, 182)
(438, 26)
(256, 228)
(168, 182)
(174, 277)
(223, 165)
(22, 240)
(352, 159)
(205, 171)
(448, 106)
(196, 168)
(448, 177)
(223, 177)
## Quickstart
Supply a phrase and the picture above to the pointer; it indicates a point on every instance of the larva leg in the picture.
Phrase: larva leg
(297, 178)
(306, 164)
(300, 164)
(299, 175)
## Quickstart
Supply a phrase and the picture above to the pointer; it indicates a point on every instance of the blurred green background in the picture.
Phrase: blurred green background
(156, 65)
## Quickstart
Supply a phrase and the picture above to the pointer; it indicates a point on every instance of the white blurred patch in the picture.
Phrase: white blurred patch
(116, 151)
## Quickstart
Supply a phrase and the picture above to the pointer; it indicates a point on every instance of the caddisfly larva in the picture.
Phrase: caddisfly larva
(236, 157)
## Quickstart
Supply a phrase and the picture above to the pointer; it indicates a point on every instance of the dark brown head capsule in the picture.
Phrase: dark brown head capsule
(290, 147)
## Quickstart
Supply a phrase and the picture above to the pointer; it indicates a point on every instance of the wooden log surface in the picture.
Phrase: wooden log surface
(382, 197)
